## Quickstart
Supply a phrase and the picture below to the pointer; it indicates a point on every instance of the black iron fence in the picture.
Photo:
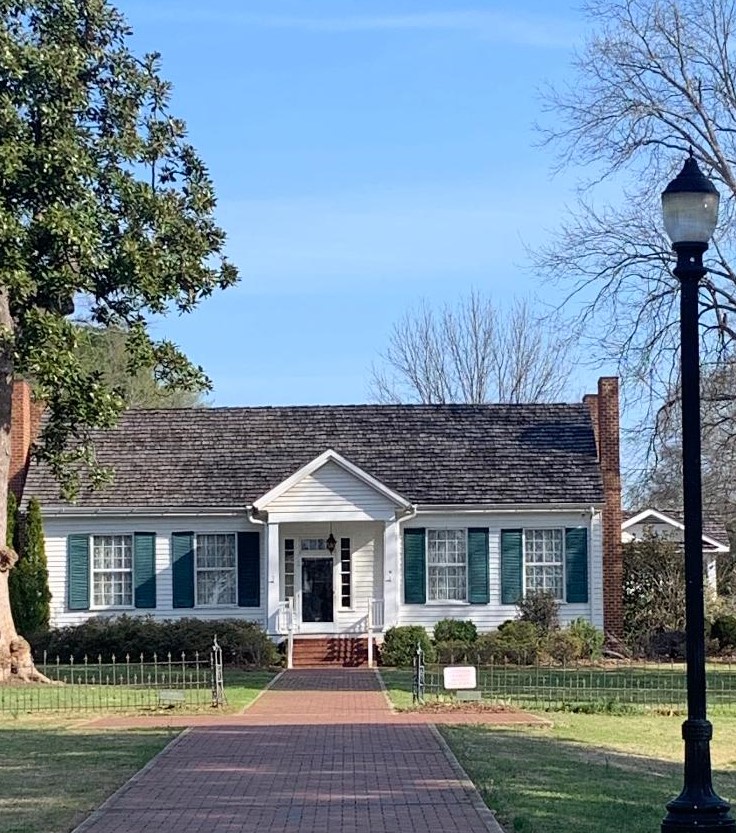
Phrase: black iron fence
(611, 686)
(129, 683)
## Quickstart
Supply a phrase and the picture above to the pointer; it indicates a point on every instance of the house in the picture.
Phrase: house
(669, 524)
(421, 512)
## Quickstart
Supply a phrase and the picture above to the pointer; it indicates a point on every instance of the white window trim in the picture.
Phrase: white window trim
(93, 570)
(561, 529)
(204, 606)
(446, 602)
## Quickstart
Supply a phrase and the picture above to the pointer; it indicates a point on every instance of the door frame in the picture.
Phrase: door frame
(314, 627)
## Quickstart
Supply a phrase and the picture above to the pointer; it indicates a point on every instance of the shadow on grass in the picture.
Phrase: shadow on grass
(52, 778)
(541, 784)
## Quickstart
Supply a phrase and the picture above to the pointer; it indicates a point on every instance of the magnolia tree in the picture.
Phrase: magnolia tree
(104, 207)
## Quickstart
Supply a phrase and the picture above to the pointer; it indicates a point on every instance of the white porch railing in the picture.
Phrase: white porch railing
(286, 624)
(375, 623)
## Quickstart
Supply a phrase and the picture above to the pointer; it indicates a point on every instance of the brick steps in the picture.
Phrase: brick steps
(330, 651)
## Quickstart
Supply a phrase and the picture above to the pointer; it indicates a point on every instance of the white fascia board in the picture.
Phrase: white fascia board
(505, 508)
(330, 456)
(142, 511)
(652, 513)
(718, 547)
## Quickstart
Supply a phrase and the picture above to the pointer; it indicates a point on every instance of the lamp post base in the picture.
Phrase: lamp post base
(698, 809)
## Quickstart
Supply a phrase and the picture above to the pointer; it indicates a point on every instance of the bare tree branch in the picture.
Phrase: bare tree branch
(473, 352)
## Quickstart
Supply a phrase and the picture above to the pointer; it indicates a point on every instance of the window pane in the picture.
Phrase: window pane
(112, 570)
(215, 551)
(216, 587)
(447, 559)
(543, 558)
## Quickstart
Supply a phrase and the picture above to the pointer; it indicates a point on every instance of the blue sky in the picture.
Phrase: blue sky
(365, 154)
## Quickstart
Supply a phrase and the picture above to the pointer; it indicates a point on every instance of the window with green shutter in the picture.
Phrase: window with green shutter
(77, 555)
(576, 565)
(478, 591)
(182, 569)
(249, 569)
(511, 566)
(415, 567)
(144, 569)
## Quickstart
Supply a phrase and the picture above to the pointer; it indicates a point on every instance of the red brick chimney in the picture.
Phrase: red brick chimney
(604, 414)
(24, 424)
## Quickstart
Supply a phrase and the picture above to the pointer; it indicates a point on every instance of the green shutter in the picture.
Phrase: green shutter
(144, 569)
(478, 593)
(415, 569)
(77, 567)
(249, 569)
(576, 564)
(511, 566)
(182, 569)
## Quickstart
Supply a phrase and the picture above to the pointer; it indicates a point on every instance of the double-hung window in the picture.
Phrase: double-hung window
(544, 553)
(112, 570)
(216, 570)
(447, 565)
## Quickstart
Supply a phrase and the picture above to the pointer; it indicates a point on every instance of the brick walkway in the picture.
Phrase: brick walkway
(320, 752)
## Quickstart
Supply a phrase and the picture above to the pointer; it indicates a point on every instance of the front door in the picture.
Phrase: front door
(317, 593)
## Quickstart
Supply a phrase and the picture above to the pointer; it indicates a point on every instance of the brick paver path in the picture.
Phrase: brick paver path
(320, 753)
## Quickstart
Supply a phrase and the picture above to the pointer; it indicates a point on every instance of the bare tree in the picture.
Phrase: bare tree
(655, 79)
(473, 352)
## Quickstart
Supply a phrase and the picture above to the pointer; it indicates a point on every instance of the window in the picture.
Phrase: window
(314, 545)
(447, 564)
(216, 570)
(288, 568)
(543, 561)
(345, 574)
(112, 570)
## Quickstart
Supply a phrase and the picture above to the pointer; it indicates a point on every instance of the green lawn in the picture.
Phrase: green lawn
(587, 773)
(53, 774)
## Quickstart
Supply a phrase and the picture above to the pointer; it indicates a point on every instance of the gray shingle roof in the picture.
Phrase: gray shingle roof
(445, 454)
(712, 527)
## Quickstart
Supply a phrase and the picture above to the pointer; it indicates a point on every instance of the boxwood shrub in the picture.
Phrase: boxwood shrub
(243, 643)
(400, 645)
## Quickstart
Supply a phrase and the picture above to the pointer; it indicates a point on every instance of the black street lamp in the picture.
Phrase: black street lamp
(690, 208)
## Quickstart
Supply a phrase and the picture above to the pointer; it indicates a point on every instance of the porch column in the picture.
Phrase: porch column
(391, 576)
(273, 573)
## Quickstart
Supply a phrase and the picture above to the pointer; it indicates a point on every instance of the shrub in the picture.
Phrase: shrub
(455, 651)
(654, 590)
(666, 645)
(515, 641)
(243, 643)
(591, 638)
(563, 646)
(400, 645)
(455, 630)
(541, 609)
(29, 581)
(724, 630)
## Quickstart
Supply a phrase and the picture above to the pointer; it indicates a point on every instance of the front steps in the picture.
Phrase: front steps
(330, 651)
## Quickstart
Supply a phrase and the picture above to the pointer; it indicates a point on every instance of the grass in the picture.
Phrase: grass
(241, 687)
(587, 773)
(54, 775)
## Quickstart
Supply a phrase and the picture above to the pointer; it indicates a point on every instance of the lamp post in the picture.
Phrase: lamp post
(690, 209)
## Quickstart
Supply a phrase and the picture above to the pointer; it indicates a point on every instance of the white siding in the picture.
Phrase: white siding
(490, 616)
(57, 529)
(366, 542)
(331, 493)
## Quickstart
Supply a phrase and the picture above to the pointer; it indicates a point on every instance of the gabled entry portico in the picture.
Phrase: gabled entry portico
(330, 591)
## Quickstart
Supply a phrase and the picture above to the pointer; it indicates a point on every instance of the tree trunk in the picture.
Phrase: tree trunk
(16, 661)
